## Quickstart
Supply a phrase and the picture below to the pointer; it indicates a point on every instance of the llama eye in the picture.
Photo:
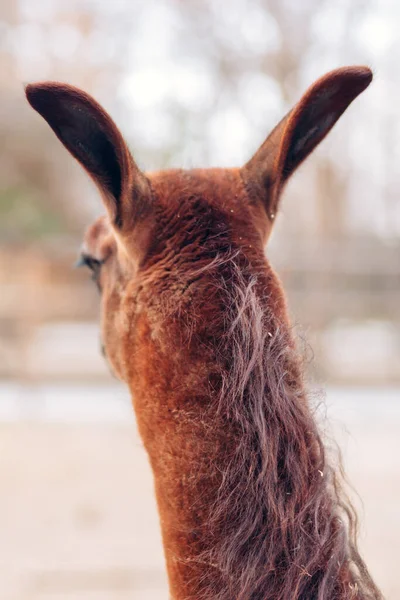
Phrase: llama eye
(91, 263)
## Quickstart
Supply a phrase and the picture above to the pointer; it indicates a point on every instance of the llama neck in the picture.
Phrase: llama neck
(248, 507)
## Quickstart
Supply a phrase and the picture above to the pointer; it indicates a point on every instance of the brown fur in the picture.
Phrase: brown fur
(194, 320)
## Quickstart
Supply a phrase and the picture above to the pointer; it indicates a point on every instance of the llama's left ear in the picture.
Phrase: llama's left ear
(92, 137)
(296, 136)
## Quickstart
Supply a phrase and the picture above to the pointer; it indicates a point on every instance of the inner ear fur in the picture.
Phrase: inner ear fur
(301, 130)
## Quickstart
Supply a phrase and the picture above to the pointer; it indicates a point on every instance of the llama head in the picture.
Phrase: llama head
(179, 217)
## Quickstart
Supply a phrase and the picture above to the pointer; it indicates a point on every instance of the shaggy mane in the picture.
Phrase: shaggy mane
(284, 528)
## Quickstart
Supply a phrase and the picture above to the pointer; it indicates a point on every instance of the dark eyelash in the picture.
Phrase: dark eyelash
(92, 263)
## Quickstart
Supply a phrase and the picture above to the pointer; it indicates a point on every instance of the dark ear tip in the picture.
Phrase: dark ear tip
(34, 92)
(342, 85)
(363, 74)
(358, 77)
(30, 91)
(45, 92)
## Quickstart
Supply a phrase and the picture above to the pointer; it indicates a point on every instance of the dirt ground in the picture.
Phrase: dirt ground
(78, 520)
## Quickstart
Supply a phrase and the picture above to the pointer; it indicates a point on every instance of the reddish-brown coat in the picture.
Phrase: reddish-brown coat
(194, 320)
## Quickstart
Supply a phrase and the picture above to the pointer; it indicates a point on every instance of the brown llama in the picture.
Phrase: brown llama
(194, 320)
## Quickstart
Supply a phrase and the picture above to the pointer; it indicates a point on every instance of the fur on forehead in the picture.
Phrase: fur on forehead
(99, 240)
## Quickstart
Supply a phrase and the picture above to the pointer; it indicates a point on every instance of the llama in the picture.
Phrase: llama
(194, 321)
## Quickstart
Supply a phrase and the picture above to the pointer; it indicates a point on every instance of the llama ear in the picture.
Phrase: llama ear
(92, 137)
(296, 136)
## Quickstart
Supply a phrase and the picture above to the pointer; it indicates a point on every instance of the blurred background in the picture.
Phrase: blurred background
(190, 83)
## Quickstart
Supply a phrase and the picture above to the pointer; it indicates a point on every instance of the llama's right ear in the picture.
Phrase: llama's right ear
(303, 128)
(92, 137)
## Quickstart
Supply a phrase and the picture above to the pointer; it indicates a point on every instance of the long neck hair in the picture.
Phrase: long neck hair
(284, 527)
